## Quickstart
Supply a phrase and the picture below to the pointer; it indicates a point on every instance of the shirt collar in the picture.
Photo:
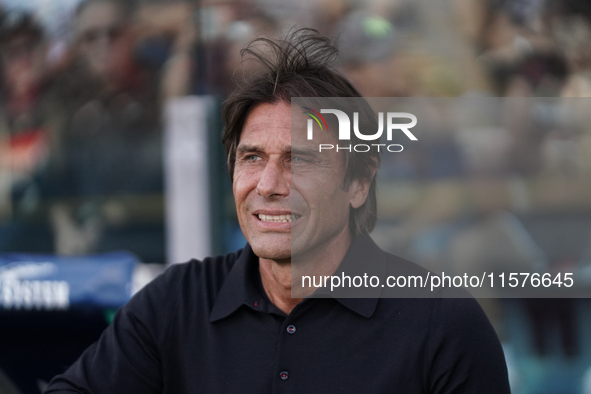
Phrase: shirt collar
(364, 257)
(239, 288)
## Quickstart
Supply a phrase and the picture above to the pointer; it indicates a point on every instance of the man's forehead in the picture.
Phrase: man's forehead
(285, 123)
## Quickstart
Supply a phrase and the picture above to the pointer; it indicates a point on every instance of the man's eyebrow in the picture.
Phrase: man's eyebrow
(303, 151)
(248, 148)
(244, 148)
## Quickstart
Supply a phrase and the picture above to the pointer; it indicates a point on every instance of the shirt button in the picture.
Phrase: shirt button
(284, 375)
(291, 329)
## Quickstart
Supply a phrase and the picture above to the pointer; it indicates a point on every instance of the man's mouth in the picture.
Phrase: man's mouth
(278, 218)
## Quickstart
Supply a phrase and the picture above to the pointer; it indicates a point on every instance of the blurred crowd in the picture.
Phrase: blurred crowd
(80, 120)
(80, 132)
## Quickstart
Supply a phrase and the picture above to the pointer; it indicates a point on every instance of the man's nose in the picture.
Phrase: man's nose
(275, 181)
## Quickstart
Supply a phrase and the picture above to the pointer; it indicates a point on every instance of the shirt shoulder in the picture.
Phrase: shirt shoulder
(185, 289)
(197, 281)
(209, 274)
(129, 355)
(463, 352)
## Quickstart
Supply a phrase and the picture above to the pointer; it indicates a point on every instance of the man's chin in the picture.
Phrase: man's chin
(276, 254)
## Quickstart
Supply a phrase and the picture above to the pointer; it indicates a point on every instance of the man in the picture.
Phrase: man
(228, 324)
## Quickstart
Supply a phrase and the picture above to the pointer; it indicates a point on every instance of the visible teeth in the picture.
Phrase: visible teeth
(278, 218)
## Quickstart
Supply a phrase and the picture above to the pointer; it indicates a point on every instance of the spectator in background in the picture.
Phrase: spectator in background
(26, 133)
(111, 141)
(367, 45)
(104, 46)
(246, 25)
(23, 53)
(569, 22)
(520, 58)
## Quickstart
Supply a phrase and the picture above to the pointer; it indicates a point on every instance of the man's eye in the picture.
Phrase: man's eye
(252, 158)
(297, 159)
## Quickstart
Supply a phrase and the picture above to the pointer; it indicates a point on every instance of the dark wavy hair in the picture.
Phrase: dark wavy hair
(301, 65)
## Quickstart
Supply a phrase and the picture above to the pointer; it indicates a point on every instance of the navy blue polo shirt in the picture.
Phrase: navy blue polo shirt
(208, 327)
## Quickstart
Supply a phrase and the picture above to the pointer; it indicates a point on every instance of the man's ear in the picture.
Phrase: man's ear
(360, 188)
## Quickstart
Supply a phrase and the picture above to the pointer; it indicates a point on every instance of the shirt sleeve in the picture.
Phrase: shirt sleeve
(126, 358)
(465, 353)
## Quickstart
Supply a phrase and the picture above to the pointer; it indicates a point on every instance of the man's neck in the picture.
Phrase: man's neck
(276, 279)
(276, 276)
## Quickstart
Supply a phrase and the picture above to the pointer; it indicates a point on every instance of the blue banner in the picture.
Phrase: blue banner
(45, 282)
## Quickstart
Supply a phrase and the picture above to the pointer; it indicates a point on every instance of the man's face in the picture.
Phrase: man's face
(289, 197)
